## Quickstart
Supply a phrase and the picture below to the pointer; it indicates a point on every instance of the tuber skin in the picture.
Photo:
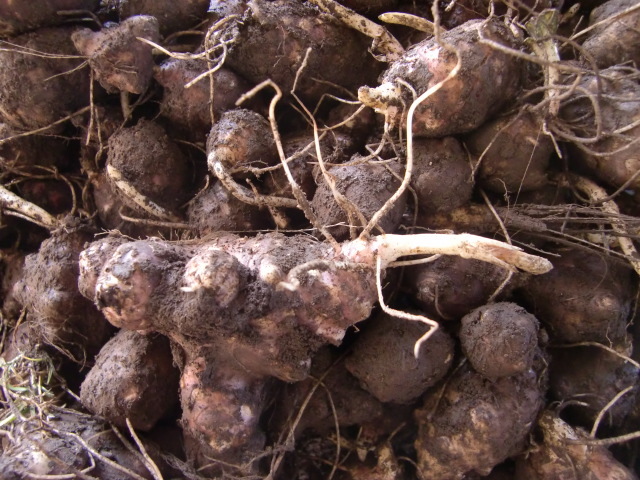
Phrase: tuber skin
(366, 187)
(120, 62)
(270, 303)
(584, 298)
(37, 90)
(304, 162)
(475, 423)
(189, 109)
(450, 287)
(353, 405)
(441, 177)
(57, 450)
(221, 407)
(500, 339)
(611, 157)
(383, 360)
(217, 210)
(146, 147)
(487, 80)
(513, 153)
(241, 138)
(147, 381)
(593, 376)
(616, 42)
(282, 31)
(49, 291)
(171, 16)
(561, 454)
(19, 17)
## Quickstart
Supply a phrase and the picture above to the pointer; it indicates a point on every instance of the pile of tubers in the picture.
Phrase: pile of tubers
(318, 239)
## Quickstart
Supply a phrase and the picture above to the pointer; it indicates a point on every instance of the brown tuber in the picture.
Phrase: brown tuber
(42, 79)
(585, 297)
(282, 31)
(513, 153)
(120, 62)
(566, 452)
(190, 109)
(487, 79)
(146, 147)
(147, 386)
(19, 17)
(49, 291)
(499, 339)
(593, 377)
(475, 423)
(365, 187)
(383, 359)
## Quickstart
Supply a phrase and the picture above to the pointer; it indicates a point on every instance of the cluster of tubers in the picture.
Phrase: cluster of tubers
(290, 239)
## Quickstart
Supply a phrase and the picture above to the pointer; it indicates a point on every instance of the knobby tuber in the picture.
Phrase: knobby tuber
(71, 444)
(147, 387)
(190, 109)
(441, 177)
(217, 210)
(513, 153)
(120, 62)
(241, 138)
(283, 31)
(364, 189)
(593, 377)
(566, 452)
(19, 17)
(614, 42)
(338, 390)
(476, 80)
(450, 287)
(584, 298)
(476, 423)
(149, 117)
(171, 16)
(48, 289)
(270, 303)
(303, 162)
(607, 131)
(143, 148)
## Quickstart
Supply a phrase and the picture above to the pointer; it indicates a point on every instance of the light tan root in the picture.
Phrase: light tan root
(387, 47)
(12, 204)
(597, 194)
(138, 198)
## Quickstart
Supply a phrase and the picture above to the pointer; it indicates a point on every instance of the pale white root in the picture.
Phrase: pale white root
(408, 20)
(387, 45)
(390, 247)
(138, 198)
(12, 204)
